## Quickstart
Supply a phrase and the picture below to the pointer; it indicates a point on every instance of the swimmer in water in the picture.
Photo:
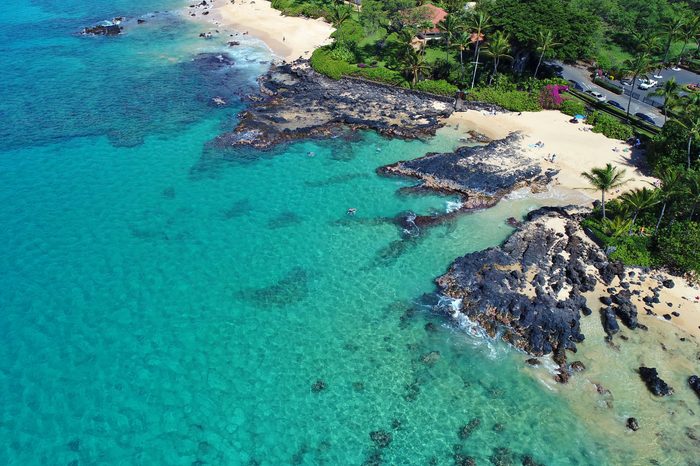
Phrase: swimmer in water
(352, 211)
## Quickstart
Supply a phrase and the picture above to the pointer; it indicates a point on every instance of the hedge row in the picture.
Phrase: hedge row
(609, 86)
(515, 101)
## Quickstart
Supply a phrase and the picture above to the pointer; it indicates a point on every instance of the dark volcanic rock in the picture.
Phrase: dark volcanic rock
(654, 383)
(480, 174)
(102, 30)
(497, 289)
(694, 382)
(632, 424)
(301, 103)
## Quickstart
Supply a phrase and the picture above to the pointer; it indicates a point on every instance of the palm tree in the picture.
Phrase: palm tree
(480, 23)
(462, 43)
(339, 14)
(670, 93)
(415, 65)
(605, 179)
(617, 226)
(688, 32)
(671, 185)
(638, 200)
(498, 48)
(693, 190)
(545, 43)
(640, 64)
(691, 122)
(671, 30)
(449, 27)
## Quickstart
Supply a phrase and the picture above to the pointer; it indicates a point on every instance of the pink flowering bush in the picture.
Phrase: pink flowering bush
(550, 96)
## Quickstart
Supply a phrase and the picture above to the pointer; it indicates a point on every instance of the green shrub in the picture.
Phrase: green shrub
(631, 250)
(323, 62)
(440, 87)
(678, 246)
(382, 74)
(573, 107)
(342, 53)
(609, 126)
(608, 85)
(515, 101)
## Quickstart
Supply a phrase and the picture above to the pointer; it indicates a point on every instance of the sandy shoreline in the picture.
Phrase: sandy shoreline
(288, 37)
(575, 147)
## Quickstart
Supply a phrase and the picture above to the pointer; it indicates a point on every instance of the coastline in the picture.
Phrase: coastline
(577, 149)
(291, 37)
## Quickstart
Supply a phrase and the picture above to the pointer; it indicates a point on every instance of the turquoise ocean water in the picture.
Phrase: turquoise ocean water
(162, 302)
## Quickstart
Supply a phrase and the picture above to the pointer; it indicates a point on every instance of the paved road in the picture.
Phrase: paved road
(583, 77)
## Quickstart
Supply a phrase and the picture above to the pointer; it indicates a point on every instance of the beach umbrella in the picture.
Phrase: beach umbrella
(580, 117)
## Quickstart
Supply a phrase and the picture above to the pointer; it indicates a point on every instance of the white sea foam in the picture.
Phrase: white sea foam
(453, 206)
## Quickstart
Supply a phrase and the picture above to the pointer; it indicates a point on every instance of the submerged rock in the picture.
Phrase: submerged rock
(654, 383)
(632, 424)
(381, 438)
(694, 382)
(466, 430)
(318, 386)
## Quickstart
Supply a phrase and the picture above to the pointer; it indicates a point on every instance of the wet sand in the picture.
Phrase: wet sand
(288, 37)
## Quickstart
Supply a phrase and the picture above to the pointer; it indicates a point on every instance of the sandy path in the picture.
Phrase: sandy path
(288, 37)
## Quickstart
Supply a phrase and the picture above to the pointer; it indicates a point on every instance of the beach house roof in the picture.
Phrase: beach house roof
(428, 13)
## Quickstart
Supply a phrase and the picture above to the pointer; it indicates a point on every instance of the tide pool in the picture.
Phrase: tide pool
(165, 302)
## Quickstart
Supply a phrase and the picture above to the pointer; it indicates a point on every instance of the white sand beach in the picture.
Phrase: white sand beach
(575, 148)
(288, 37)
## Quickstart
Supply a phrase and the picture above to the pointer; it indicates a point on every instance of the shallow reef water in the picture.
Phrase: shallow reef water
(166, 302)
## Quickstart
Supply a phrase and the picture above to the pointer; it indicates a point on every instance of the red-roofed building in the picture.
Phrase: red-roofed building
(421, 15)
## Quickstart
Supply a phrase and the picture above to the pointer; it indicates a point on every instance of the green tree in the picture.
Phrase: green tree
(450, 28)
(605, 179)
(639, 200)
(339, 14)
(671, 30)
(415, 65)
(462, 43)
(671, 186)
(670, 93)
(691, 122)
(372, 16)
(640, 64)
(545, 44)
(693, 191)
(689, 31)
(479, 24)
(498, 48)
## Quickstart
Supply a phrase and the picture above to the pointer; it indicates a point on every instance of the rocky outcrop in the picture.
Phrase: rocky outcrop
(529, 290)
(482, 175)
(654, 383)
(300, 103)
(105, 28)
(694, 382)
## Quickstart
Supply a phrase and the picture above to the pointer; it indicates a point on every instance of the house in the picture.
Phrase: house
(424, 18)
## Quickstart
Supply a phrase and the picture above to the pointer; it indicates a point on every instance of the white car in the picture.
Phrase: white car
(600, 97)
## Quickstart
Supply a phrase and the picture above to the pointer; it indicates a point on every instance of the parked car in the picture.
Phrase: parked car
(646, 118)
(625, 82)
(576, 85)
(599, 97)
(616, 104)
(646, 85)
